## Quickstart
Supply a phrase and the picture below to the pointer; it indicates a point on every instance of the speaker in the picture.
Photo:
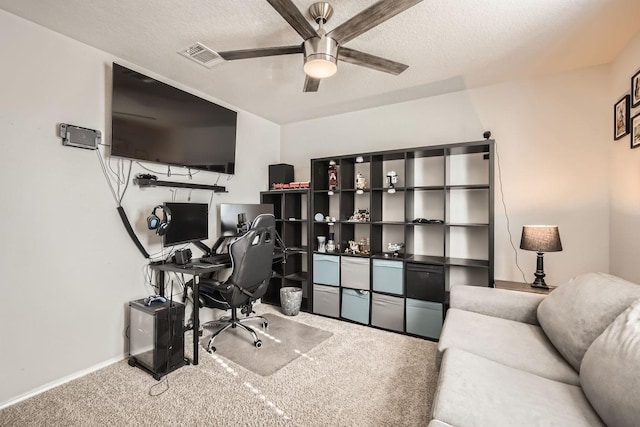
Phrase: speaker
(280, 173)
(77, 136)
(161, 225)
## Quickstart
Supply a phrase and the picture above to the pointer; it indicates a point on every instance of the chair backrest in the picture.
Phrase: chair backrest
(252, 260)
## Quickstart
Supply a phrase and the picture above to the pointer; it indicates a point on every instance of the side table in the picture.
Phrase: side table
(521, 287)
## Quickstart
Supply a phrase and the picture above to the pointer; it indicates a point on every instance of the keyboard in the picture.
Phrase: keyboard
(216, 259)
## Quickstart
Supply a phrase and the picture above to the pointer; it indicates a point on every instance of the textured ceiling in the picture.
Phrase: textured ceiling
(448, 45)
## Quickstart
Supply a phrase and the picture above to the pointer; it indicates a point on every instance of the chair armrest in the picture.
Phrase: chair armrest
(503, 303)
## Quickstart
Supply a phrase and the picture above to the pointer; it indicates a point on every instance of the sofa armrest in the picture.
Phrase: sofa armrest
(503, 303)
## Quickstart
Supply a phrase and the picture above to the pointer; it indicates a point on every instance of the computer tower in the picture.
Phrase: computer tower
(156, 336)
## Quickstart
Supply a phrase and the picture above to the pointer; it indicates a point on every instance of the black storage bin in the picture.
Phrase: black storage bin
(425, 282)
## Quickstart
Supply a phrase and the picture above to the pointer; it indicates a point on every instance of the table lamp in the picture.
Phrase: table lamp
(540, 238)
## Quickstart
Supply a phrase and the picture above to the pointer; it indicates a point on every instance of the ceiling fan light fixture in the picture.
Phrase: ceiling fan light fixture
(320, 57)
(320, 66)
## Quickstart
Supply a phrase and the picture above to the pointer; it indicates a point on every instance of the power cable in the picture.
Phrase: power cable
(504, 205)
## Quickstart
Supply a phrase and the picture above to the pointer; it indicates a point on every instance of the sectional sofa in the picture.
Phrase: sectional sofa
(570, 358)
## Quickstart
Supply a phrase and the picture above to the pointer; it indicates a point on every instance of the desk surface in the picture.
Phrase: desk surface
(193, 268)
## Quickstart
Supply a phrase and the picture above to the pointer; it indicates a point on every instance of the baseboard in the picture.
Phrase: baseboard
(61, 381)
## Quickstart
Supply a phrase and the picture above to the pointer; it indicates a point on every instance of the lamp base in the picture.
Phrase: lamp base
(539, 282)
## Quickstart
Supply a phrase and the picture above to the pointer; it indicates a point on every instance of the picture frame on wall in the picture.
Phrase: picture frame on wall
(621, 117)
(635, 131)
(635, 90)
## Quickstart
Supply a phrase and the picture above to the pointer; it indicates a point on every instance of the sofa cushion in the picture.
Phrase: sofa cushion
(610, 370)
(474, 391)
(511, 343)
(578, 311)
(507, 304)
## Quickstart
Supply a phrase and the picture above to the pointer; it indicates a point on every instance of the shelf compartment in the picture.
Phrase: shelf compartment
(467, 275)
(468, 206)
(300, 276)
(387, 312)
(468, 167)
(424, 318)
(468, 242)
(326, 300)
(355, 305)
(426, 259)
(466, 262)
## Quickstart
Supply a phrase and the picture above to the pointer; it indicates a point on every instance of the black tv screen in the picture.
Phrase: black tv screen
(155, 122)
(189, 223)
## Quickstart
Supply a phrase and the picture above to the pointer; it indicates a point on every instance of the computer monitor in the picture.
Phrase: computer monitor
(189, 223)
(235, 218)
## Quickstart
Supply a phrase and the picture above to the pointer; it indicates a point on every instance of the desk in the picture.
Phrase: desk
(196, 270)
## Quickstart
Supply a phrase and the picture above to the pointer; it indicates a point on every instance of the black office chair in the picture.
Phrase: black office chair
(251, 260)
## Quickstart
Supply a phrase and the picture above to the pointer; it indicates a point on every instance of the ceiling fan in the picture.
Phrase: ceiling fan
(322, 50)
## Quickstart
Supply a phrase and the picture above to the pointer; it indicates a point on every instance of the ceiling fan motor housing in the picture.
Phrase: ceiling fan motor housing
(320, 56)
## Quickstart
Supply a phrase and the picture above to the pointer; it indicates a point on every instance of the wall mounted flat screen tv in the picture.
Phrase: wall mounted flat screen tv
(152, 121)
(189, 223)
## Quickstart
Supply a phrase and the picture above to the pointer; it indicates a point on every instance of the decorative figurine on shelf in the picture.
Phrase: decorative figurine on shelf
(358, 248)
(395, 248)
(392, 180)
(333, 176)
(360, 215)
(331, 245)
(361, 183)
(322, 244)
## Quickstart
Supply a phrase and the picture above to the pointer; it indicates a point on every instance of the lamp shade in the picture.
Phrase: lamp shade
(540, 238)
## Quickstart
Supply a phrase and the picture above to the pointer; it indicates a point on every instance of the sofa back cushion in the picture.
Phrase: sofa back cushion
(577, 312)
(610, 370)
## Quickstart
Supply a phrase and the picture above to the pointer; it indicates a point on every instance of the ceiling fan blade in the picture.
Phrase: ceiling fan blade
(311, 84)
(292, 15)
(370, 61)
(369, 18)
(259, 52)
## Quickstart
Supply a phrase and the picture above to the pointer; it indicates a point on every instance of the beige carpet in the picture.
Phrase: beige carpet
(360, 376)
(282, 342)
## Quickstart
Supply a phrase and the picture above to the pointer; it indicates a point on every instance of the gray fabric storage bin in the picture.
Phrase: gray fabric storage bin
(326, 269)
(387, 276)
(387, 312)
(355, 305)
(354, 272)
(424, 318)
(326, 300)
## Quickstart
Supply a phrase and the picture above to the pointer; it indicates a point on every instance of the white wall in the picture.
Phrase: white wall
(68, 266)
(550, 135)
(625, 174)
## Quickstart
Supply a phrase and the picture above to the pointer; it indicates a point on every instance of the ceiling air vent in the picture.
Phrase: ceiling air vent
(201, 54)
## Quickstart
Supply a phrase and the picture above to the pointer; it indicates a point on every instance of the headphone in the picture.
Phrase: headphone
(160, 225)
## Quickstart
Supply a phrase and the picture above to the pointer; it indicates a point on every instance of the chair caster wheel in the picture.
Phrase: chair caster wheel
(132, 362)
(265, 324)
(211, 350)
(258, 344)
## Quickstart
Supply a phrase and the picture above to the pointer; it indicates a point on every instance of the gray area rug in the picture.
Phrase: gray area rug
(283, 341)
(359, 376)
